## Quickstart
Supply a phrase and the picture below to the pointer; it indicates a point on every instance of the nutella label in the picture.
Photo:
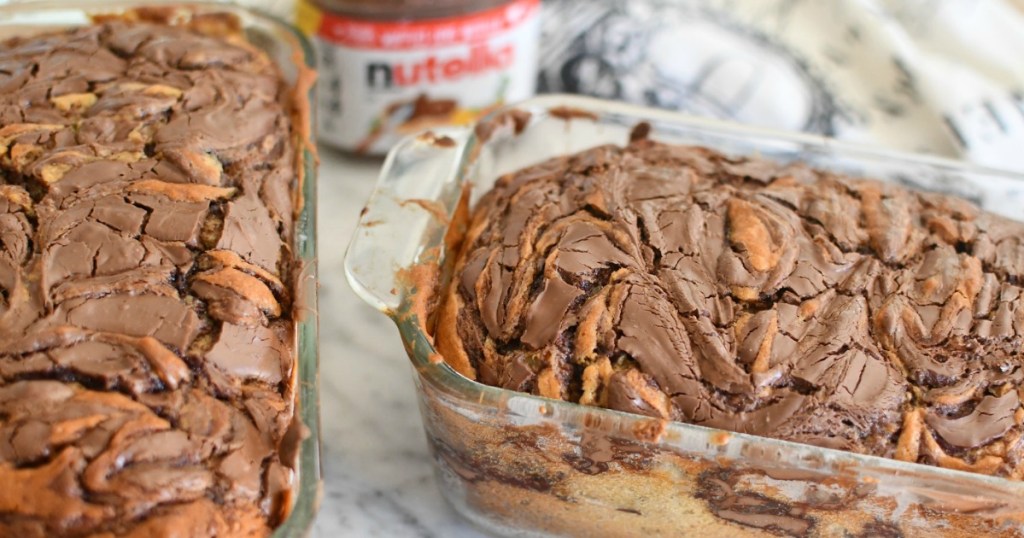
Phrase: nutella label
(382, 80)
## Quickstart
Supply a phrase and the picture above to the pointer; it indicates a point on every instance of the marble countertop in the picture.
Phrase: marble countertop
(378, 476)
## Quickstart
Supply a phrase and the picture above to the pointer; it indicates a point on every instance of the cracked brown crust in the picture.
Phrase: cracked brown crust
(147, 359)
(743, 294)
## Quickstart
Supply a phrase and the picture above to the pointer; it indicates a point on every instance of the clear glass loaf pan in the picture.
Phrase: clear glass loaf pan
(522, 465)
(294, 56)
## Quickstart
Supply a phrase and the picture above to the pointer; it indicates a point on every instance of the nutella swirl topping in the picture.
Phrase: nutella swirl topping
(146, 345)
(749, 295)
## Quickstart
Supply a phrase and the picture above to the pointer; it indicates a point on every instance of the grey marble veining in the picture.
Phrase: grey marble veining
(378, 475)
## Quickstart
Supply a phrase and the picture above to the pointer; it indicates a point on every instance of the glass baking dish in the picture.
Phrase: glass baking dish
(518, 464)
(292, 53)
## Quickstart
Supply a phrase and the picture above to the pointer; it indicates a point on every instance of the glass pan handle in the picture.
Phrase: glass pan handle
(407, 214)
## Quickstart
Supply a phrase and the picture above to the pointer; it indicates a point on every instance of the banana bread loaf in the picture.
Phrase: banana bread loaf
(743, 294)
(147, 176)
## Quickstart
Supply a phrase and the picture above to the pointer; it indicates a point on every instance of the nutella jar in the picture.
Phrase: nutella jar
(389, 68)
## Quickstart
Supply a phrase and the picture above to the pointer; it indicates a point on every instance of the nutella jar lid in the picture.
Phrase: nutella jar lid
(407, 9)
(393, 68)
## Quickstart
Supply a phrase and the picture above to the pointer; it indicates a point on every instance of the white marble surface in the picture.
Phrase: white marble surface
(378, 475)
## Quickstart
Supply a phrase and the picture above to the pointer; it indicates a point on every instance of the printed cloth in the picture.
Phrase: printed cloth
(936, 76)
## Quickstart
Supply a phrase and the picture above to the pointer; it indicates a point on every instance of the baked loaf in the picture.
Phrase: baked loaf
(146, 341)
(770, 299)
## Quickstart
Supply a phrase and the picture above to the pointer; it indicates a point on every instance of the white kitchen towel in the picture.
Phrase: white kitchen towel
(936, 76)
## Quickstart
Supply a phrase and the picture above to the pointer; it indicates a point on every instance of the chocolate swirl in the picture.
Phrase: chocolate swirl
(758, 297)
(146, 355)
